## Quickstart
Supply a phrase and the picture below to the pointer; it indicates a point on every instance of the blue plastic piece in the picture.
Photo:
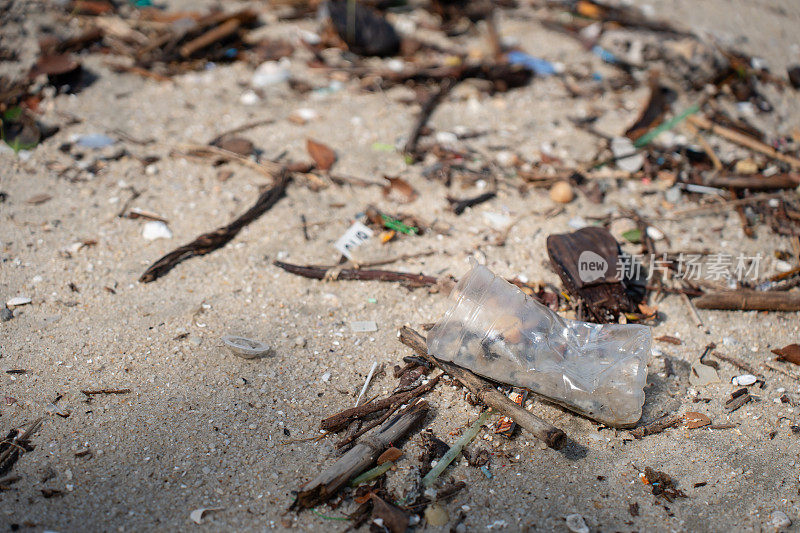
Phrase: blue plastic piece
(537, 65)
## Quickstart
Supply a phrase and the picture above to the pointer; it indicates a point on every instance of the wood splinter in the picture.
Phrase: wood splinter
(483, 390)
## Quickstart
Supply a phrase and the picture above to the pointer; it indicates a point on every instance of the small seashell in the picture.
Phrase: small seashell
(244, 347)
(17, 301)
(744, 380)
(155, 229)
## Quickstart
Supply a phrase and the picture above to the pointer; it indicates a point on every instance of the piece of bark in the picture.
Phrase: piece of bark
(746, 300)
(597, 284)
(341, 420)
(208, 242)
(315, 272)
(486, 392)
(652, 115)
(790, 353)
(755, 183)
(663, 423)
(359, 458)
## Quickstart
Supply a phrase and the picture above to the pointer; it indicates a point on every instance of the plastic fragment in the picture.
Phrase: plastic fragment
(455, 449)
(539, 66)
(496, 331)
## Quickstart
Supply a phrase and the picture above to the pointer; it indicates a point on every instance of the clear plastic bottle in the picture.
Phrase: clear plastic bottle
(497, 331)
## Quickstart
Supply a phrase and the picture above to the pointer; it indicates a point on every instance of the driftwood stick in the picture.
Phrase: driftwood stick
(750, 301)
(315, 272)
(488, 394)
(341, 420)
(426, 112)
(657, 426)
(743, 140)
(756, 183)
(359, 458)
(738, 363)
(208, 242)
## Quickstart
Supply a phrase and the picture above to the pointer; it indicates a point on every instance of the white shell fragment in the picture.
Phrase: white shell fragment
(363, 326)
(196, 516)
(244, 347)
(156, 229)
(744, 380)
(17, 301)
(576, 524)
(780, 520)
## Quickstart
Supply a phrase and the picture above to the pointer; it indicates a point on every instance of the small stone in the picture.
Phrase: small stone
(271, 73)
(446, 137)
(746, 167)
(303, 115)
(249, 98)
(155, 229)
(744, 380)
(299, 342)
(506, 159)
(779, 520)
(561, 192)
(326, 377)
(673, 195)
(654, 233)
(627, 157)
(794, 76)
(437, 516)
(17, 301)
(576, 523)
(6, 314)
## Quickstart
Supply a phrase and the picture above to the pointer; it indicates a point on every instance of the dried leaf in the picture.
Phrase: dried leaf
(790, 353)
(391, 454)
(393, 518)
(323, 156)
(696, 420)
(237, 145)
(399, 190)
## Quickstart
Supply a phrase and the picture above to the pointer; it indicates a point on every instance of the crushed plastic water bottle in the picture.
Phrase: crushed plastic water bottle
(497, 331)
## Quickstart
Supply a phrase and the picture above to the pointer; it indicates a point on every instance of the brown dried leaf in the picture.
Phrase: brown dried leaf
(323, 156)
(391, 454)
(696, 420)
(393, 518)
(237, 145)
(669, 339)
(790, 353)
(399, 190)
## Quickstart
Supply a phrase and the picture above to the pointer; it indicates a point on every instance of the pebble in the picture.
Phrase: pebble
(6, 314)
(326, 377)
(506, 159)
(622, 146)
(779, 520)
(249, 98)
(155, 229)
(561, 192)
(437, 516)
(654, 233)
(744, 380)
(576, 523)
(446, 137)
(746, 166)
(673, 195)
(17, 301)
(300, 341)
(271, 73)
(94, 140)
